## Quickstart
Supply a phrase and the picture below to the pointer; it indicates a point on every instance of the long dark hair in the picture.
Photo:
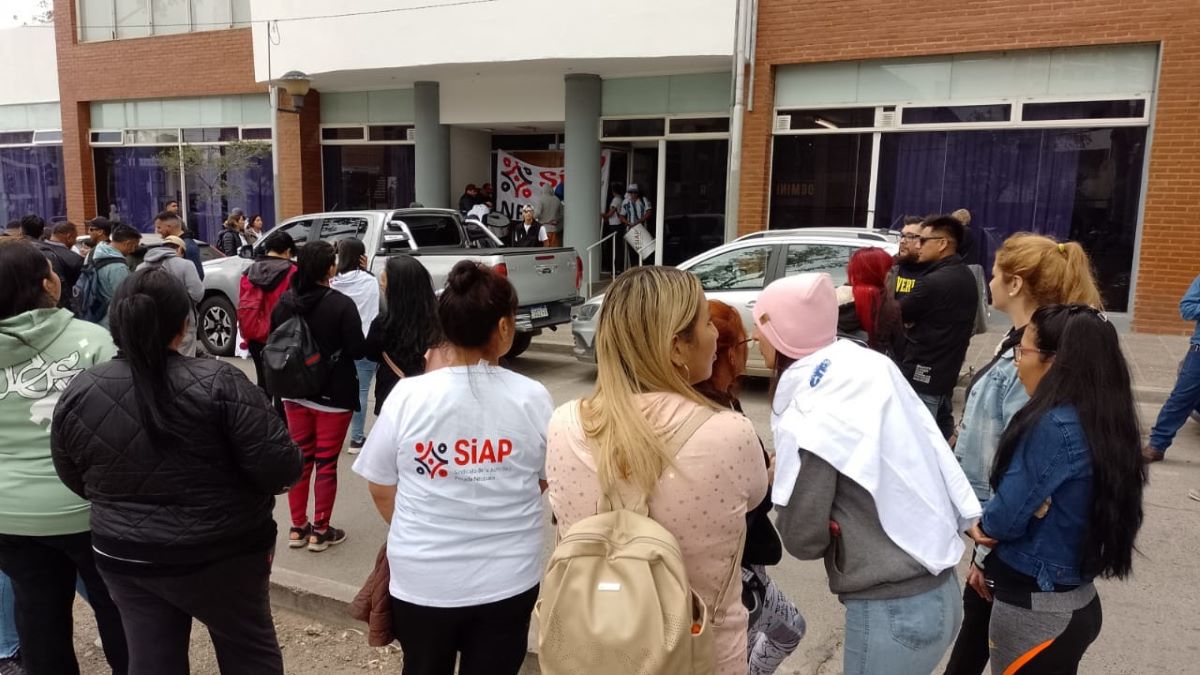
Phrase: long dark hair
(1091, 375)
(147, 312)
(474, 301)
(23, 271)
(349, 252)
(312, 266)
(410, 322)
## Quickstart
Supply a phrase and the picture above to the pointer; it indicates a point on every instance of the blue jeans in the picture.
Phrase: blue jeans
(941, 406)
(9, 641)
(1185, 397)
(358, 422)
(902, 635)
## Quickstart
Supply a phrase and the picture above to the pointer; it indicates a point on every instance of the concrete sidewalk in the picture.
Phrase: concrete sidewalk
(1153, 359)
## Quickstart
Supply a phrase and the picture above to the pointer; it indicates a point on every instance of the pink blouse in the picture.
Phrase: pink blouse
(702, 499)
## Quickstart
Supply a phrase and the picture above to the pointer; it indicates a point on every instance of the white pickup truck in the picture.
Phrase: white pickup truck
(547, 279)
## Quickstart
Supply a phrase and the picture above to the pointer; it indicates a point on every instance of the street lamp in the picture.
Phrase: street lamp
(297, 85)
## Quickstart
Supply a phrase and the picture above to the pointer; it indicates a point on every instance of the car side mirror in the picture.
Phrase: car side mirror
(246, 252)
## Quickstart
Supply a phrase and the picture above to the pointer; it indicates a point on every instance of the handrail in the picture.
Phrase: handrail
(588, 253)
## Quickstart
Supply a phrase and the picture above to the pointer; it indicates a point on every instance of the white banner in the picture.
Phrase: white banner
(519, 182)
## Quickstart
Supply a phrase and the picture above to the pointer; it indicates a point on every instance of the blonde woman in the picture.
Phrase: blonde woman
(655, 340)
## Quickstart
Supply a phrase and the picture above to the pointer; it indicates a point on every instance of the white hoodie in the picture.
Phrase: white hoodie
(851, 407)
(363, 288)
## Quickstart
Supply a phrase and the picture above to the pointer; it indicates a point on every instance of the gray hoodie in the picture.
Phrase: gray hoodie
(183, 270)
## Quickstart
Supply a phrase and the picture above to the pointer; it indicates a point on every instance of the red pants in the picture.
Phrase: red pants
(320, 436)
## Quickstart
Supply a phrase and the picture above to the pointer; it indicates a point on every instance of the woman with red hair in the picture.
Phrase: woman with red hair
(776, 626)
(867, 309)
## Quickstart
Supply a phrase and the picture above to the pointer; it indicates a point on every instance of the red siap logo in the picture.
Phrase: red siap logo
(432, 459)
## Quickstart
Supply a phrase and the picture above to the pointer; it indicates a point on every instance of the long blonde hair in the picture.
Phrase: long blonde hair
(644, 311)
(1054, 273)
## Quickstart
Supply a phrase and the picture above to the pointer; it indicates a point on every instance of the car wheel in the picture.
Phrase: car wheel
(218, 325)
(521, 342)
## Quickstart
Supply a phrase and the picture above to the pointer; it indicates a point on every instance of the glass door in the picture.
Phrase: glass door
(694, 200)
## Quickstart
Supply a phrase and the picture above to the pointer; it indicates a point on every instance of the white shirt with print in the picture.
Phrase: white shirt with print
(465, 448)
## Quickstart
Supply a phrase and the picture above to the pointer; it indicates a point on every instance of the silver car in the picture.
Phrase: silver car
(738, 271)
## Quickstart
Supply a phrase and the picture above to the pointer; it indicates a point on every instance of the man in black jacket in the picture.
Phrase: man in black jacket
(908, 267)
(940, 315)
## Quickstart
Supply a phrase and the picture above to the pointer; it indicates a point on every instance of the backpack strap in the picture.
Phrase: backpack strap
(612, 499)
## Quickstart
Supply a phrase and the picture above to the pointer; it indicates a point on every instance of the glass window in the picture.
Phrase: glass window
(739, 269)
(107, 136)
(957, 114)
(211, 14)
(96, 20)
(170, 16)
(1078, 184)
(342, 134)
(16, 137)
(257, 134)
(47, 136)
(152, 137)
(430, 231)
(831, 118)
(133, 18)
(335, 229)
(210, 135)
(644, 127)
(826, 258)
(700, 125)
(390, 132)
(694, 221)
(228, 177)
(820, 181)
(368, 176)
(133, 185)
(31, 181)
(1083, 110)
(299, 229)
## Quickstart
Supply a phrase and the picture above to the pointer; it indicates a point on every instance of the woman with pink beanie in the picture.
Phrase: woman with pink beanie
(865, 480)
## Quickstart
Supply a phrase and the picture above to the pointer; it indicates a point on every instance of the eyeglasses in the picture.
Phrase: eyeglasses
(910, 237)
(747, 342)
(925, 240)
(1018, 350)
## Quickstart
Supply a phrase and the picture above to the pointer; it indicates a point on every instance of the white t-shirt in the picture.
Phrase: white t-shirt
(465, 448)
(615, 207)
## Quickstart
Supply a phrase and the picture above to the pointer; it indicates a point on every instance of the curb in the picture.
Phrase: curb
(552, 348)
(322, 599)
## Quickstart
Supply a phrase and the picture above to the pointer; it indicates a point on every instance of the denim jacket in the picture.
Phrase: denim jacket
(994, 398)
(1053, 461)
(1189, 308)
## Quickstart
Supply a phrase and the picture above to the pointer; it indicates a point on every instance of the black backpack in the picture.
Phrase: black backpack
(292, 361)
(89, 304)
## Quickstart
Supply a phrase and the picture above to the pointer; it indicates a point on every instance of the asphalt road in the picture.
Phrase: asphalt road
(1151, 620)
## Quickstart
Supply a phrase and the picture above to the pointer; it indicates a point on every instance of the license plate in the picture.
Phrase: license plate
(539, 312)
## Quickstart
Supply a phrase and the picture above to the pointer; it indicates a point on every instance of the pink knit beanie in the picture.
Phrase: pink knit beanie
(798, 315)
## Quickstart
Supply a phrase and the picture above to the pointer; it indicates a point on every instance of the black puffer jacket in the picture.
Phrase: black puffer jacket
(202, 494)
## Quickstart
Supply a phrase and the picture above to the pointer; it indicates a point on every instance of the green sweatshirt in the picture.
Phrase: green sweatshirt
(41, 351)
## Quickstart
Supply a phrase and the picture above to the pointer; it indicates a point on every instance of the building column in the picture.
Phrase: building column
(432, 151)
(299, 146)
(79, 172)
(582, 165)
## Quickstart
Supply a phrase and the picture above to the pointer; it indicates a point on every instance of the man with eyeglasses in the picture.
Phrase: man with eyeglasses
(939, 313)
(907, 268)
(99, 229)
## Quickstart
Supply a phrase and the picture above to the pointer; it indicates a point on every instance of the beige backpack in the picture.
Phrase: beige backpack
(616, 597)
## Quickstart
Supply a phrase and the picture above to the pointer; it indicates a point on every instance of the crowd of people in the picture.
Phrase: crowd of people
(143, 477)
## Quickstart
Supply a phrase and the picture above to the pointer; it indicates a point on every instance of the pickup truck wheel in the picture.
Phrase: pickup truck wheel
(218, 325)
(521, 342)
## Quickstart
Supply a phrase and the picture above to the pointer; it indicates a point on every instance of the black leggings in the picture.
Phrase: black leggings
(1046, 640)
(970, 653)
(492, 638)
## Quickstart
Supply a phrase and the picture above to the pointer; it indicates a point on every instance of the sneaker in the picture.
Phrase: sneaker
(356, 446)
(1151, 455)
(319, 541)
(12, 666)
(298, 536)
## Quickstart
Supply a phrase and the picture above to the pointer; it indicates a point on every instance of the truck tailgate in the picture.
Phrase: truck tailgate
(540, 274)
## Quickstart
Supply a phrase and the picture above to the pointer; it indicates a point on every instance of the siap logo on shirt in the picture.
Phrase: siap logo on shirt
(432, 459)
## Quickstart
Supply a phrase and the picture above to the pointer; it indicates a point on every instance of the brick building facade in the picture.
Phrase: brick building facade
(1168, 257)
